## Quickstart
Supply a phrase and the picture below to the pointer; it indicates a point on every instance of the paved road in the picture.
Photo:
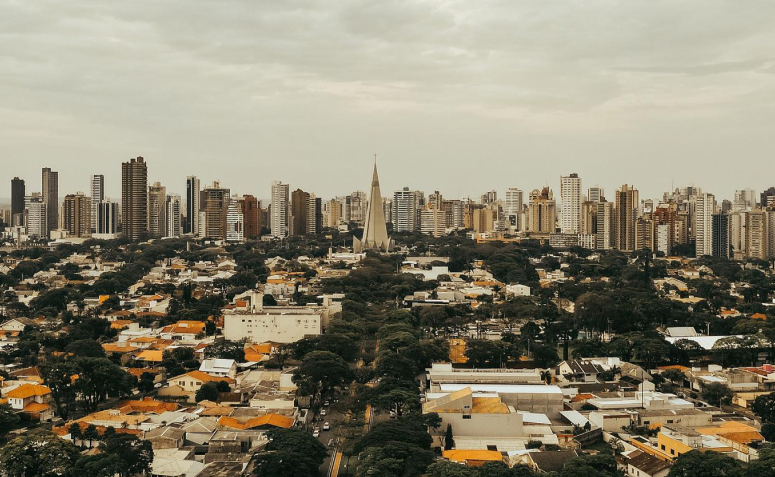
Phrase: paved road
(335, 418)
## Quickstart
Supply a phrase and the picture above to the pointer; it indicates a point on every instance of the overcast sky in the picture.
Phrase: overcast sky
(457, 96)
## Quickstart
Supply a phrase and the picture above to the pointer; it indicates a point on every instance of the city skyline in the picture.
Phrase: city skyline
(354, 182)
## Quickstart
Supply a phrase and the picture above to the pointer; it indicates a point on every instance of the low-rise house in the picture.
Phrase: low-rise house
(641, 464)
(219, 367)
(33, 400)
(192, 381)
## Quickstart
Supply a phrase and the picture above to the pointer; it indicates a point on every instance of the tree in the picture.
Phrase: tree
(398, 401)
(449, 439)
(296, 440)
(487, 353)
(320, 372)
(75, 431)
(136, 454)
(100, 465)
(716, 393)
(146, 383)
(59, 377)
(545, 356)
(702, 464)
(9, 420)
(87, 347)
(764, 466)
(394, 459)
(674, 375)
(38, 453)
(764, 407)
(208, 392)
(600, 465)
(91, 434)
(226, 350)
(285, 463)
(99, 378)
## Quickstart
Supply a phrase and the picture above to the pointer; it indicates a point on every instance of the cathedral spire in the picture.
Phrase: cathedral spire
(375, 235)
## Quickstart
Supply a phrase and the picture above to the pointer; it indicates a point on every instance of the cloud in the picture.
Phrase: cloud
(301, 90)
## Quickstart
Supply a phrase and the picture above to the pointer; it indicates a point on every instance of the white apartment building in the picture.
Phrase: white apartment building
(97, 196)
(235, 222)
(173, 216)
(570, 193)
(512, 208)
(705, 208)
(275, 324)
(280, 203)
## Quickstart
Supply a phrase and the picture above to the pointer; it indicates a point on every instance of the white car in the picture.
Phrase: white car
(326, 427)
(316, 433)
(322, 412)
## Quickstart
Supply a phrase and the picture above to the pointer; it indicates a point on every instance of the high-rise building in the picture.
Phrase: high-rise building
(435, 200)
(172, 214)
(606, 231)
(134, 198)
(36, 219)
(512, 208)
(588, 219)
(595, 194)
(626, 212)
(250, 215)
(299, 206)
(756, 235)
(216, 208)
(17, 201)
(705, 207)
(157, 210)
(333, 213)
(375, 235)
(279, 220)
(50, 185)
(489, 197)
(542, 212)
(720, 246)
(97, 195)
(457, 215)
(76, 215)
(358, 207)
(746, 197)
(433, 221)
(107, 218)
(570, 193)
(405, 210)
(314, 215)
(387, 210)
(768, 198)
(235, 222)
(191, 225)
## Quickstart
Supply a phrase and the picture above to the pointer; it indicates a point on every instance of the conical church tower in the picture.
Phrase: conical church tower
(375, 235)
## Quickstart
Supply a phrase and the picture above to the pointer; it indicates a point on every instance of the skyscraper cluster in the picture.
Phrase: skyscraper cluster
(687, 216)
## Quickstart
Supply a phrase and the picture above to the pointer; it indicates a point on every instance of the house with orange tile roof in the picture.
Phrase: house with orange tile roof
(32, 399)
(472, 458)
(267, 421)
(192, 381)
(184, 330)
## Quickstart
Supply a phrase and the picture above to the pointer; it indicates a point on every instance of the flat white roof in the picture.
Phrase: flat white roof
(502, 388)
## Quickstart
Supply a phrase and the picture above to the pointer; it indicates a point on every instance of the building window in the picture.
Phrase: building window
(466, 416)
(672, 451)
(663, 447)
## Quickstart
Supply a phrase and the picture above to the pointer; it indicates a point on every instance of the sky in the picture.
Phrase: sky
(456, 96)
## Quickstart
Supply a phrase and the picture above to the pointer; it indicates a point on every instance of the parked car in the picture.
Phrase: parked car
(322, 412)
(326, 427)
(316, 433)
